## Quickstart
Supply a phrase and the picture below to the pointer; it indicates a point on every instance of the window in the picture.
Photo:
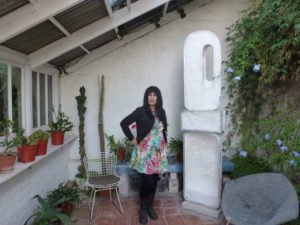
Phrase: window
(11, 92)
(42, 99)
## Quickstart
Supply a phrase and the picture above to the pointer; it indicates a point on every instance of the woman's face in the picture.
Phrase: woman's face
(152, 98)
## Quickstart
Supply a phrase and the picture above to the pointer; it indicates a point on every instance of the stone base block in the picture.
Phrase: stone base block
(124, 187)
(201, 210)
(201, 121)
(173, 183)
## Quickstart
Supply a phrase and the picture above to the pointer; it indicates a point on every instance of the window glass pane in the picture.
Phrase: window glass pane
(50, 102)
(34, 100)
(16, 94)
(3, 92)
(42, 100)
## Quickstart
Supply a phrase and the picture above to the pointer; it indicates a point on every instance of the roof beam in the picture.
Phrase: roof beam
(92, 31)
(31, 14)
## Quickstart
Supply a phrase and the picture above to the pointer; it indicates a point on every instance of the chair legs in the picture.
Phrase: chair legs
(93, 196)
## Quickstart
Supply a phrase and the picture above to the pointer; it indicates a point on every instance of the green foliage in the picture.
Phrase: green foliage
(249, 165)
(63, 193)
(81, 111)
(268, 34)
(176, 146)
(40, 135)
(47, 213)
(116, 146)
(261, 140)
(7, 128)
(62, 123)
(22, 140)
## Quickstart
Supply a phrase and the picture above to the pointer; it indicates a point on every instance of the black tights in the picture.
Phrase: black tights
(148, 184)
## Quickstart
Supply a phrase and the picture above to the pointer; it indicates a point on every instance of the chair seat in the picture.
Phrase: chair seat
(104, 180)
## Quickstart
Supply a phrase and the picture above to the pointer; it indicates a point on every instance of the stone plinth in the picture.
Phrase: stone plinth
(205, 121)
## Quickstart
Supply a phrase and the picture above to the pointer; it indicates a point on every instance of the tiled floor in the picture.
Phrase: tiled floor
(167, 206)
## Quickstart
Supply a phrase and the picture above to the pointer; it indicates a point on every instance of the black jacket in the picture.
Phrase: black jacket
(144, 120)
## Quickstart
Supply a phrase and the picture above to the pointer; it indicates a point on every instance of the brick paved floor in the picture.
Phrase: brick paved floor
(167, 206)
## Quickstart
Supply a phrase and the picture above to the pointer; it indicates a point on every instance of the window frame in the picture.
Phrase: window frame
(9, 87)
(46, 74)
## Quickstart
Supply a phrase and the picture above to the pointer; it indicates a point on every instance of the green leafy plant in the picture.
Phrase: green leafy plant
(8, 128)
(244, 166)
(64, 193)
(81, 111)
(62, 123)
(22, 140)
(40, 135)
(276, 140)
(114, 146)
(176, 146)
(264, 58)
(47, 213)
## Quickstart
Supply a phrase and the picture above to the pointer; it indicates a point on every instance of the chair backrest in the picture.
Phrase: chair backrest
(101, 166)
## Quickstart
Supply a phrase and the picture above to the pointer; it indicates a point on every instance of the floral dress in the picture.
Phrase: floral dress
(151, 156)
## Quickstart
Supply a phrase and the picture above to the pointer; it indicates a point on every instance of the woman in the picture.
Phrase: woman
(149, 156)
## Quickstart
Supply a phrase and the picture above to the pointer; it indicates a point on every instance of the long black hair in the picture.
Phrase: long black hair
(159, 110)
(159, 101)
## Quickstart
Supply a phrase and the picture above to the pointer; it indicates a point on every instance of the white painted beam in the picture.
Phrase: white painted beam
(92, 31)
(30, 15)
(84, 49)
(165, 8)
(59, 26)
(108, 8)
(129, 4)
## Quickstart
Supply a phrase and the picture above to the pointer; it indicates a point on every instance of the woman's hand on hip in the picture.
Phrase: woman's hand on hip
(134, 141)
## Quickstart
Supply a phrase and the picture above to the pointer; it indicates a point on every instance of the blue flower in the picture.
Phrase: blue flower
(267, 136)
(237, 78)
(292, 162)
(278, 142)
(256, 68)
(284, 148)
(221, 97)
(243, 153)
(296, 154)
(230, 70)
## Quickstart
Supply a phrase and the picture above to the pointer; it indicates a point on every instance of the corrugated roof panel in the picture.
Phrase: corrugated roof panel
(141, 20)
(7, 6)
(67, 57)
(34, 38)
(101, 40)
(82, 15)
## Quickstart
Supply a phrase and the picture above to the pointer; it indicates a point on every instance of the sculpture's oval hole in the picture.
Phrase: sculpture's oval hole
(208, 62)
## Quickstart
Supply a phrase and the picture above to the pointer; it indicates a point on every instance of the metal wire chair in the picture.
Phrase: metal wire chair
(101, 175)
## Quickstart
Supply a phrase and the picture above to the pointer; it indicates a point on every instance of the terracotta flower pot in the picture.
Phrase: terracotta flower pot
(57, 138)
(104, 193)
(27, 153)
(7, 163)
(66, 207)
(121, 155)
(42, 147)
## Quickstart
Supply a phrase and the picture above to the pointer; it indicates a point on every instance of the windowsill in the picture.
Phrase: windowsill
(20, 167)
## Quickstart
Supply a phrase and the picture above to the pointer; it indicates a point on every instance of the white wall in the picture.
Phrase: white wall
(154, 59)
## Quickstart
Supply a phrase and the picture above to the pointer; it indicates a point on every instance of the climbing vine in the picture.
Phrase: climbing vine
(264, 58)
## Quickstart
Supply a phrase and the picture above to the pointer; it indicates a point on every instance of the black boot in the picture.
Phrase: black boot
(143, 210)
(152, 214)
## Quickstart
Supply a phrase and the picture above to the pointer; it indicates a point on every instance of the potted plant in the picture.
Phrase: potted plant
(66, 196)
(176, 147)
(7, 157)
(59, 127)
(26, 146)
(47, 213)
(117, 147)
(42, 137)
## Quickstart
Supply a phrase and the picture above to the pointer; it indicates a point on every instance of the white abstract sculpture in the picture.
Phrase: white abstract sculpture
(201, 123)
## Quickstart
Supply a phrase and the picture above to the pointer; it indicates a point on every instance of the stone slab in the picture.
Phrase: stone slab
(201, 121)
(202, 169)
(201, 209)
(202, 88)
